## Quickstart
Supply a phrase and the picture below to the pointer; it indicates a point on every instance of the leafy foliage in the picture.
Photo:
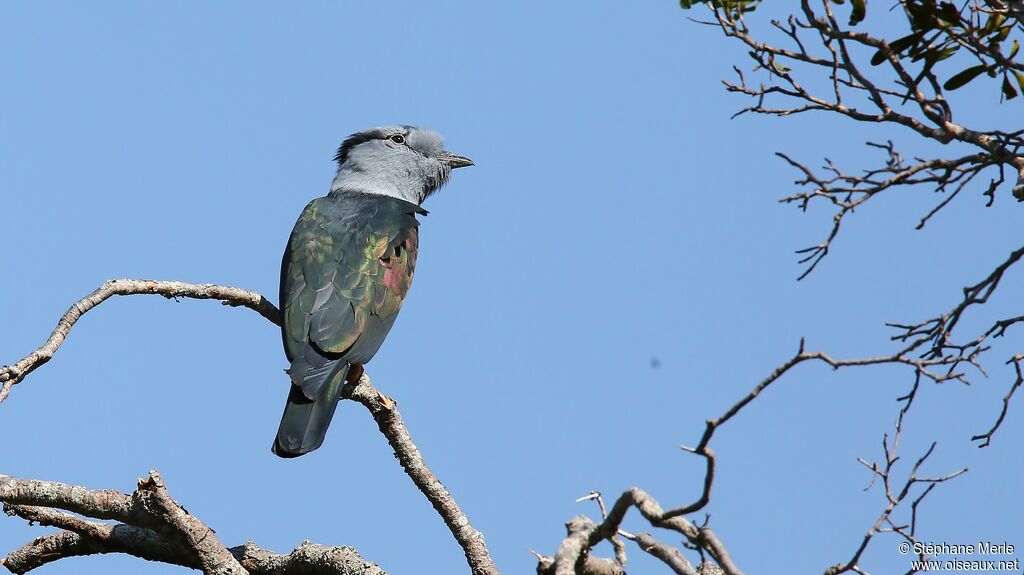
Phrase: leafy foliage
(733, 7)
(983, 30)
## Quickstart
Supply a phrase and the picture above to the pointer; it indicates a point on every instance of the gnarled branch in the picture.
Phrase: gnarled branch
(81, 537)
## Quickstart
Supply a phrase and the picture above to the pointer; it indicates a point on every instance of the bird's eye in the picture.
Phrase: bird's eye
(398, 139)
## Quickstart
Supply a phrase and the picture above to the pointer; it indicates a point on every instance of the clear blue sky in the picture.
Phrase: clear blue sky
(615, 216)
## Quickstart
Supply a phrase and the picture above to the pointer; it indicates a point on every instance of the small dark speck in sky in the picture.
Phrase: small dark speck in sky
(655, 363)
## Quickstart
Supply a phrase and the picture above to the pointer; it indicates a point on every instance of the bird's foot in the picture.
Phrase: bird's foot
(354, 373)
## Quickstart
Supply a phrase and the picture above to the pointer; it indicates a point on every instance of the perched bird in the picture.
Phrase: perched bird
(348, 266)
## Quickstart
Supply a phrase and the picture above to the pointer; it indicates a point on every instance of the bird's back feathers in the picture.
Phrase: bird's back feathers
(347, 268)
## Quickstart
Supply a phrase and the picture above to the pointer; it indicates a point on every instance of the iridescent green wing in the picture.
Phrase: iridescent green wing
(347, 269)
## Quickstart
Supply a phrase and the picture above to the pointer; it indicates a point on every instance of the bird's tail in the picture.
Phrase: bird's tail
(305, 421)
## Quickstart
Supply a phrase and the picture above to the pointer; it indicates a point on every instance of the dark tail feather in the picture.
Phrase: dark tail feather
(305, 421)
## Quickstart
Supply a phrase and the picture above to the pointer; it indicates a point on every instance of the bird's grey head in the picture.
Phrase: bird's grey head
(404, 162)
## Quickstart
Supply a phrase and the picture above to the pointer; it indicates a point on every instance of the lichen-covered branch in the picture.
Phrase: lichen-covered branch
(80, 537)
(148, 507)
(153, 508)
(665, 553)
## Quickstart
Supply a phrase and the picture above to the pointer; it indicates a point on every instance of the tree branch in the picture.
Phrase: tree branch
(81, 537)
(986, 438)
(390, 423)
(894, 494)
(177, 526)
(584, 534)
(909, 95)
(666, 553)
(149, 506)
(161, 514)
(11, 375)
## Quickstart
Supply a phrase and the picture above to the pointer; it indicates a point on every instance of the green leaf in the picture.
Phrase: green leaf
(948, 12)
(901, 44)
(734, 7)
(994, 21)
(1020, 79)
(933, 56)
(1009, 92)
(963, 77)
(1013, 50)
(898, 45)
(922, 16)
(860, 9)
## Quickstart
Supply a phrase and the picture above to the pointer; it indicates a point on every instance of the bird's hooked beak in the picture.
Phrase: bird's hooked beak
(454, 160)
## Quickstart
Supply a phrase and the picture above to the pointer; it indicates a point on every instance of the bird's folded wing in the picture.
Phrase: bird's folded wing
(347, 268)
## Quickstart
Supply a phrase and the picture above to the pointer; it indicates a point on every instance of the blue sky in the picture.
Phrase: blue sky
(615, 216)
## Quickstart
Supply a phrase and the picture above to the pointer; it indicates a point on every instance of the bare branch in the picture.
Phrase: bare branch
(666, 553)
(149, 506)
(921, 366)
(590, 566)
(80, 537)
(584, 534)
(847, 192)
(306, 559)
(160, 513)
(986, 438)
(703, 537)
(11, 375)
(390, 423)
(894, 496)
(617, 544)
(939, 330)
(185, 528)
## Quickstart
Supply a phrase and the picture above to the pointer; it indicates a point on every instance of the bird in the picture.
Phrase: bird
(347, 269)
